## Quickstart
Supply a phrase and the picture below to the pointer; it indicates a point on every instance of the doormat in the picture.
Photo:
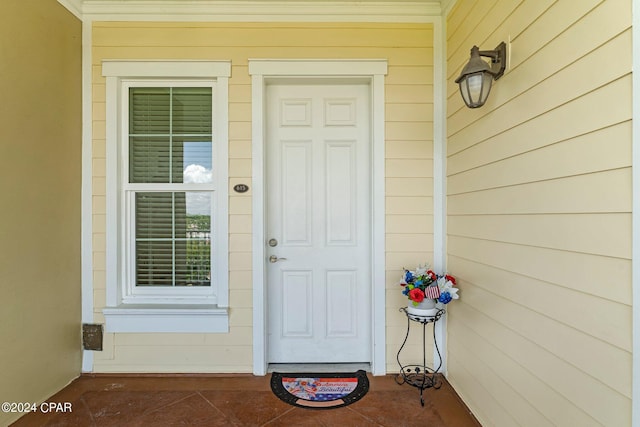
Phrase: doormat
(320, 391)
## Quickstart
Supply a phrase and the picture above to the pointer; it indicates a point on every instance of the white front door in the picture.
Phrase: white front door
(318, 223)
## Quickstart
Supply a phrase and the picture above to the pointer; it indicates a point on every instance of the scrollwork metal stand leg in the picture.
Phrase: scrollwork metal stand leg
(420, 376)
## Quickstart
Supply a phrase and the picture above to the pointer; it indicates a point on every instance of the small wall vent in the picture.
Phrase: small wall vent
(92, 336)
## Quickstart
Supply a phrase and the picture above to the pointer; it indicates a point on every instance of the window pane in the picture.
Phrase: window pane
(154, 263)
(192, 161)
(193, 265)
(154, 215)
(149, 110)
(194, 268)
(149, 159)
(191, 110)
(173, 238)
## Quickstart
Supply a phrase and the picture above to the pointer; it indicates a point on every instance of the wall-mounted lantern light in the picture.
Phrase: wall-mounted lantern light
(476, 77)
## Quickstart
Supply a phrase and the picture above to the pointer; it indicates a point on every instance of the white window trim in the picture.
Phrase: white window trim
(202, 314)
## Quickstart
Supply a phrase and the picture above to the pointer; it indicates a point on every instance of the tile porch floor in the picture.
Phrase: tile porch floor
(240, 400)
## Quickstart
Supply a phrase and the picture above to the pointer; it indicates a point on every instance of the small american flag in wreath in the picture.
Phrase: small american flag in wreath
(432, 292)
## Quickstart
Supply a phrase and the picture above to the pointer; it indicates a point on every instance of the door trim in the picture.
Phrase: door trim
(262, 72)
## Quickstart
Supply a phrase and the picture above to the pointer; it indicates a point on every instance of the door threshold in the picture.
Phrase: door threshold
(318, 367)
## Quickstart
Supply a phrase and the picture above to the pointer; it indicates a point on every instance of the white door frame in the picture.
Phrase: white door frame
(263, 71)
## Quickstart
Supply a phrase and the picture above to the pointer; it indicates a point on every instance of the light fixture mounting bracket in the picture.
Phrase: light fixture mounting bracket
(498, 59)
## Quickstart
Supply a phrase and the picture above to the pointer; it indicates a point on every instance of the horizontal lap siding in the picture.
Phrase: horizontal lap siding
(409, 145)
(539, 215)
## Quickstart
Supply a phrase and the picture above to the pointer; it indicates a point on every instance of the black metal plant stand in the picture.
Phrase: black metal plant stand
(420, 376)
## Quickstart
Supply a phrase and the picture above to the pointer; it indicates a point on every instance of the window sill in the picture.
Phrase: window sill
(166, 318)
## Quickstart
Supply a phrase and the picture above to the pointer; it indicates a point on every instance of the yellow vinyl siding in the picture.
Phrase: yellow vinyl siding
(409, 144)
(539, 215)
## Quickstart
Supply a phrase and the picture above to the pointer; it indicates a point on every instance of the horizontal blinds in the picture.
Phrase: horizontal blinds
(150, 159)
(183, 110)
(149, 110)
(191, 107)
(170, 142)
(155, 224)
(173, 247)
(162, 123)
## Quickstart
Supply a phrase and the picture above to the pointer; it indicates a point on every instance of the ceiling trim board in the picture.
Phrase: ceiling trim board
(255, 10)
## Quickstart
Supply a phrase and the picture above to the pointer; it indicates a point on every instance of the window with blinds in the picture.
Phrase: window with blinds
(170, 185)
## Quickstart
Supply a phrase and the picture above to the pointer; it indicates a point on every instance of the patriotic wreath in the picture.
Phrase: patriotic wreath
(424, 283)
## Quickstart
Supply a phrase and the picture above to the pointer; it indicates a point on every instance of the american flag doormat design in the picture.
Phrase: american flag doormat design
(320, 391)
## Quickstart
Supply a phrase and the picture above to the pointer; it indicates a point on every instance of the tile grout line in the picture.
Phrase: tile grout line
(363, 416)
(175, 402)
(278, 416)
(226, 415)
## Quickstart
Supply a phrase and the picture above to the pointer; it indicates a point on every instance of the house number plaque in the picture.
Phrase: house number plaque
(241, 188)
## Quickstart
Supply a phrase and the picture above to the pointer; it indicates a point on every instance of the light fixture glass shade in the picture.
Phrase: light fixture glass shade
(475, 88)
(477, 75)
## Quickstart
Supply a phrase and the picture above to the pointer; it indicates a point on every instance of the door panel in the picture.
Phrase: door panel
(297, 298)
(341, 304)
(341, 185)
(318, 210)
(297, 192)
